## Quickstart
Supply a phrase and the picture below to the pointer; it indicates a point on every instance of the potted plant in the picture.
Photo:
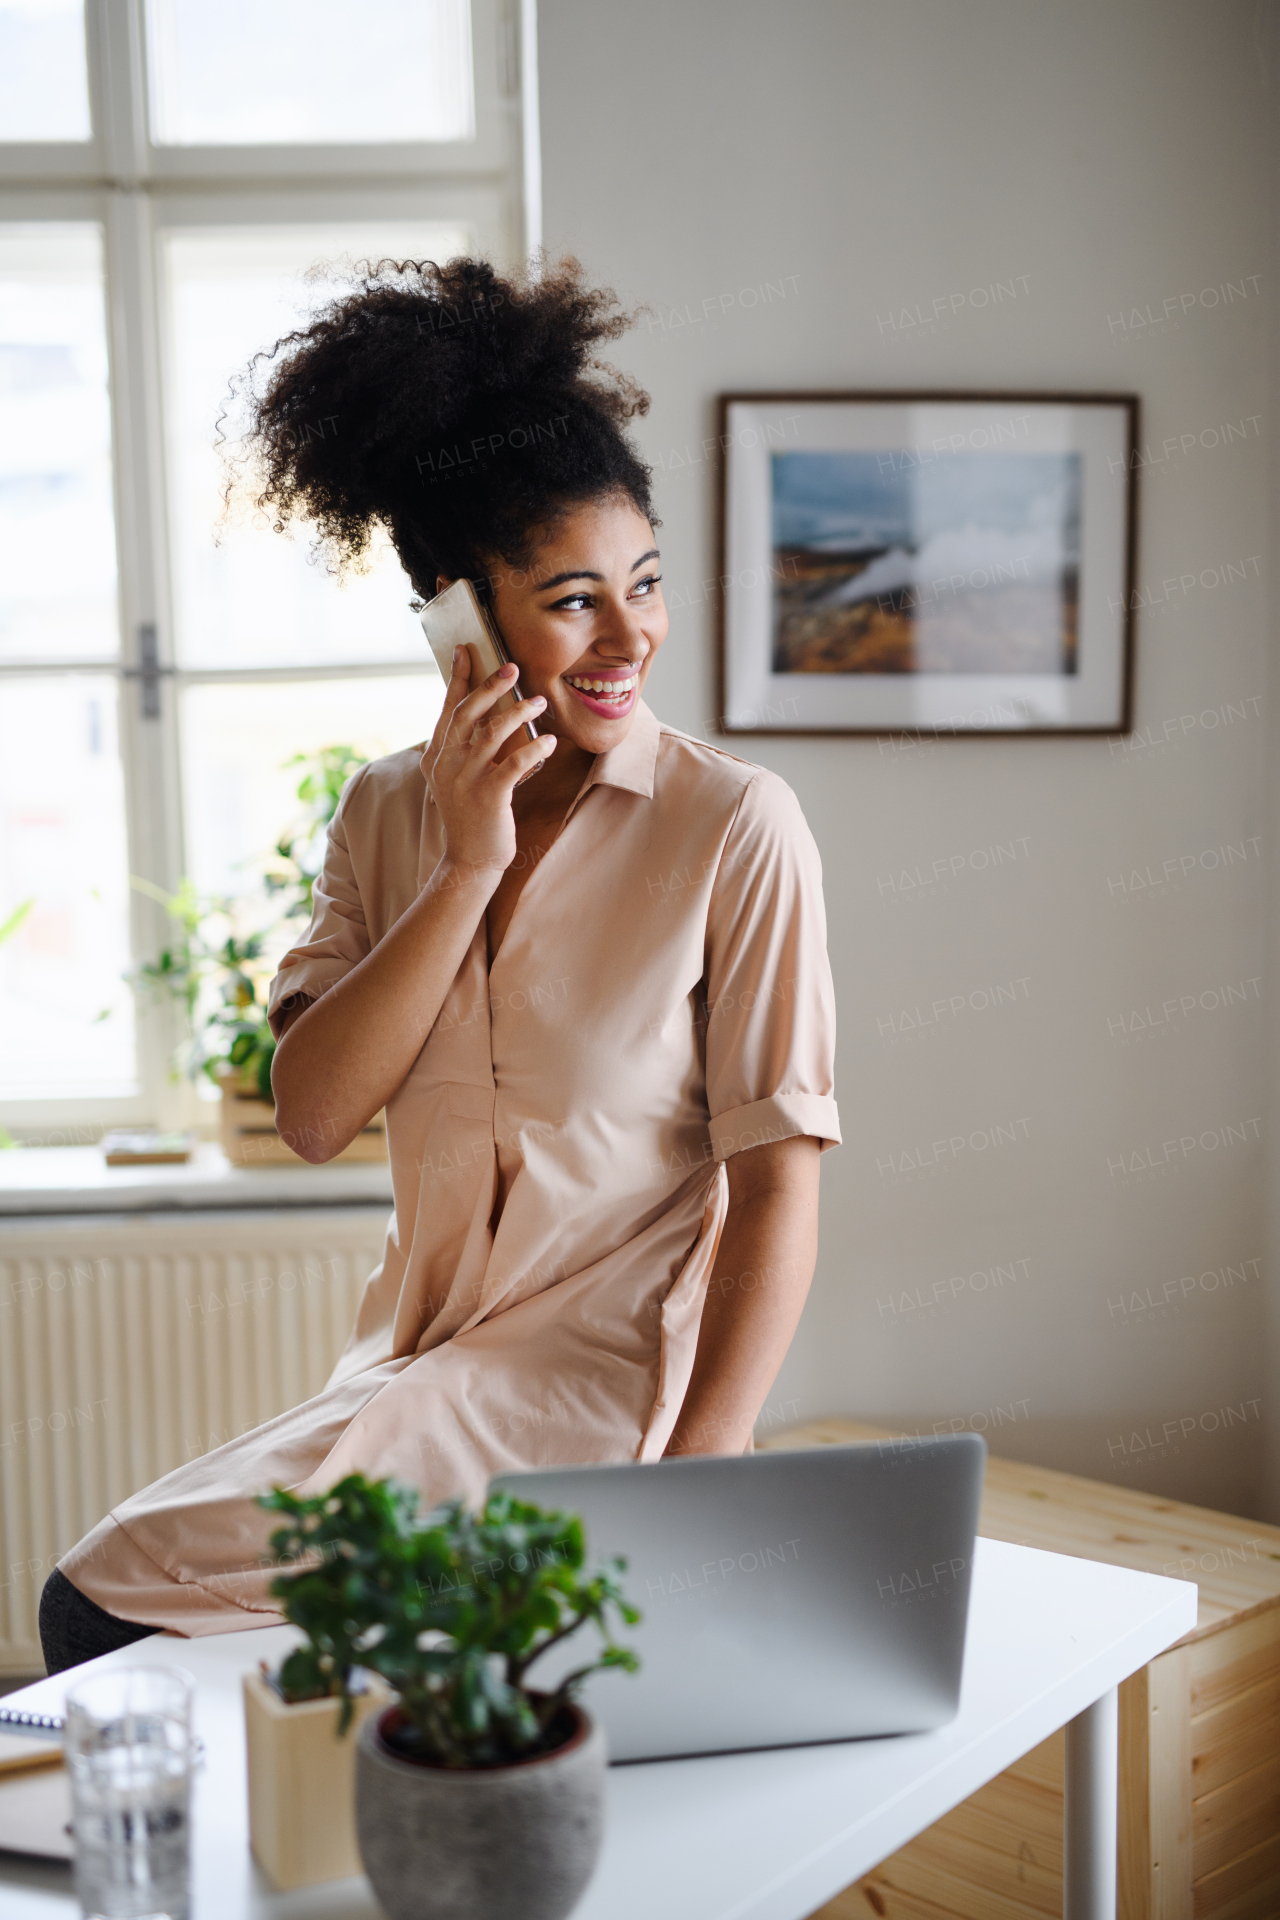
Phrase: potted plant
(476, 1793)
(218, 964)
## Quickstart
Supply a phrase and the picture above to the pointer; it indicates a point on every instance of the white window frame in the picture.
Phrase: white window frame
(139, 192)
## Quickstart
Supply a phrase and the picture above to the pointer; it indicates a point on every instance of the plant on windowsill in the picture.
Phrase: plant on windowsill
(476, 1792)
(217, 968)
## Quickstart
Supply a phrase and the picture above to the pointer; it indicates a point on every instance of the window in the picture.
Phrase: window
(44, 73)
(170, 175)
(242, 74)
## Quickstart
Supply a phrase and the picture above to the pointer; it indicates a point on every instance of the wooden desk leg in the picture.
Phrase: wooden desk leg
(1089, 1836)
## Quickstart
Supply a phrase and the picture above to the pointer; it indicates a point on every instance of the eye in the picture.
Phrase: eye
(643, 588)
(572, 602)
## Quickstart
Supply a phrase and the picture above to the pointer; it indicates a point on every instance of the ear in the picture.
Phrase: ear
(442, 582)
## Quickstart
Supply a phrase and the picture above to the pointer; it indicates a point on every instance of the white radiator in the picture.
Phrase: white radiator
(129, 1344)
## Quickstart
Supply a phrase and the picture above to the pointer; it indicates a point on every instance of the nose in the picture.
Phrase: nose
(620, 653)
(620, 636)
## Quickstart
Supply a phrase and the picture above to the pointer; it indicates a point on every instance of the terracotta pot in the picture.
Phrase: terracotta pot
(508, 1843)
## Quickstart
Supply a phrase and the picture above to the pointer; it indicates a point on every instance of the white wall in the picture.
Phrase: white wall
(1106, 155)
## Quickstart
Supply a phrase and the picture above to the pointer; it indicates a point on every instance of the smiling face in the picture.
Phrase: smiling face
(584, 621)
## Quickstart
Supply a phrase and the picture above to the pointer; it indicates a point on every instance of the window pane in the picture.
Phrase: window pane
(62, 847)
(309, 71)
(57, 528)
(44, 80)
(246, 596)
(239, 797)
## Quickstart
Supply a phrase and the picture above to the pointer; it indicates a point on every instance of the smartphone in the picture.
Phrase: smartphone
(455, 618)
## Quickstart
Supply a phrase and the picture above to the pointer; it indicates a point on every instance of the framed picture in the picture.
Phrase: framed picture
(951, 563)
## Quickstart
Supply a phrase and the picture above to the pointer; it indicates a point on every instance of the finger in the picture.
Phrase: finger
(454, 694)
(477, 704)
(459, 682)
(485, 740)
(525, 760)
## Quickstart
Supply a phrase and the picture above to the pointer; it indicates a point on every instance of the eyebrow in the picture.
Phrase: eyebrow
(581, 573)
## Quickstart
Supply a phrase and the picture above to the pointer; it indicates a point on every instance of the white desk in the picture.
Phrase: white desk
(758, 1836)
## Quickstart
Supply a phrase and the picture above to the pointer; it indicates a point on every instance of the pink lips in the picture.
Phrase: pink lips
(608, 709)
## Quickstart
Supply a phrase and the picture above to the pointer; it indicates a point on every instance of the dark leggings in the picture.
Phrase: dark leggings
(74, 1628)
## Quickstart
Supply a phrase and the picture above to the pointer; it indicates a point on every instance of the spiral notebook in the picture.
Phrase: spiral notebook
(29, 1721)
(35, 1711)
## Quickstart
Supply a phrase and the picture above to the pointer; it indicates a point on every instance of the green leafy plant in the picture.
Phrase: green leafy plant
(219, 961)
(300, 850)
(452, 1612)
(219, 973)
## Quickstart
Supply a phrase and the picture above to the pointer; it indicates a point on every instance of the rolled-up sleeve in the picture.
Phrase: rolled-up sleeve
(338, 937)
(771, 1023)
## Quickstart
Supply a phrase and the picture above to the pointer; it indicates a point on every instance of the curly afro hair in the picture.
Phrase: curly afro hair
(462, 410)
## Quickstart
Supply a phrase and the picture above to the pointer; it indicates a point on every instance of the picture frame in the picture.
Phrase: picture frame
(943, 563)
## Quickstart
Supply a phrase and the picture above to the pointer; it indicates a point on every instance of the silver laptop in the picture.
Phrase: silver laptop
(789, 1597)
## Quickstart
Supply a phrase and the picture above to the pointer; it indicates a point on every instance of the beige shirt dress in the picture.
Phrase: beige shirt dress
(661, 1000)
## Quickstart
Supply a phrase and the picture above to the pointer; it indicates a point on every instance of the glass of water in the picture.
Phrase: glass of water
(131, 1757)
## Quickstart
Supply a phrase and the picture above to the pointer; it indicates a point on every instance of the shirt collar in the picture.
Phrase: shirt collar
(632, 763)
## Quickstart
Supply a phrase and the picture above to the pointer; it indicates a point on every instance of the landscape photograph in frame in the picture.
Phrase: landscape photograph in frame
(953, 564)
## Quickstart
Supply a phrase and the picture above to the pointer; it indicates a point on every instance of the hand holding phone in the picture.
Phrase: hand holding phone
(455, 618)
(485, 743)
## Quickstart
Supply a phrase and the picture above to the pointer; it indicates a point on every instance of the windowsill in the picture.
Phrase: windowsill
(45, 1180)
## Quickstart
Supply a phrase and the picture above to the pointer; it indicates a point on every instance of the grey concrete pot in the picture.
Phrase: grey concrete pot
(505, 1843)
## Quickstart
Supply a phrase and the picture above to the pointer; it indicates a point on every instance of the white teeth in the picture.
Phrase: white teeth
(608, 689)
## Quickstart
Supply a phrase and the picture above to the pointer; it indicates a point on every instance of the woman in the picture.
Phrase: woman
(595, 1003)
